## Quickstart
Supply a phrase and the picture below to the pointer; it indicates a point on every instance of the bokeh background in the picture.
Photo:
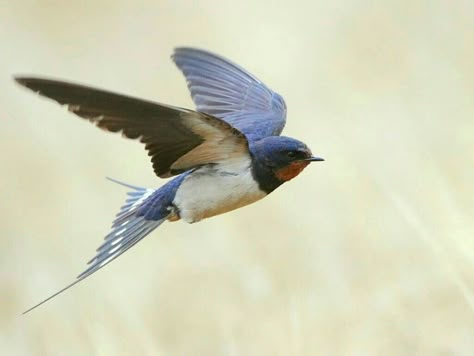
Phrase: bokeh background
(368, 253)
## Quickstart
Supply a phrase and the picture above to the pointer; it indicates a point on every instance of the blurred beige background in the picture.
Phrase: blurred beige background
(369, 253)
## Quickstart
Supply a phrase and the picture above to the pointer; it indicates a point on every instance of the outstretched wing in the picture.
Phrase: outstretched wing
(223, 89)
(177, 139)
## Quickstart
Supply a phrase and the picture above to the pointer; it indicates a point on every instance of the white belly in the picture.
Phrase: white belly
(211, 191)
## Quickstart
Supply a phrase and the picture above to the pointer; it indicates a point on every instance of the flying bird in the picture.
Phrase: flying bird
(223, 156)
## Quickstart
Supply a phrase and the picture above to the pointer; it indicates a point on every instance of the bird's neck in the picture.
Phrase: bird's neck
(264, 174)
(265, 177)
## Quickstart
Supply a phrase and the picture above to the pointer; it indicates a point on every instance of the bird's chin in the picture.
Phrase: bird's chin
(291, 171)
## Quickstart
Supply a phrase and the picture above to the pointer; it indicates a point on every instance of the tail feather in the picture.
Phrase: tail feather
(137, 196)
(128, 228)
(124, 240)
(134, 187)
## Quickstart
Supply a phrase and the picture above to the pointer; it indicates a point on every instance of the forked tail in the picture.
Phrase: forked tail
(128, 228)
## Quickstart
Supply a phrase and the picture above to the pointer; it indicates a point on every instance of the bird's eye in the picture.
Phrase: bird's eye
(291, 154)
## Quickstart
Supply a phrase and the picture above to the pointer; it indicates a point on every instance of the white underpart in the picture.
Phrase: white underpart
(213, 190)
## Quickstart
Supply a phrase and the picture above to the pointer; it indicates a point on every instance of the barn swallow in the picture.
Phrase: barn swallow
(225, 155)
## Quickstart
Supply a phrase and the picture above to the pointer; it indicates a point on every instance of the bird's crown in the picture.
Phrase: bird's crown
(279, 151)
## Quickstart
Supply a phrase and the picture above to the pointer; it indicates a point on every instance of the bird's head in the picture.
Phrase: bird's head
(285, 156)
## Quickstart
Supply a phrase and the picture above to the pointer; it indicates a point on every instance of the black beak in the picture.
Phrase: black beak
(314, 159)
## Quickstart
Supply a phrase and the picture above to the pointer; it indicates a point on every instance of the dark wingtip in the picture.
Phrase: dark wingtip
(26, 82)
(20, 80)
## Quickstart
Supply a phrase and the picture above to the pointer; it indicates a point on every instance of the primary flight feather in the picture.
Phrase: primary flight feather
(225, 155)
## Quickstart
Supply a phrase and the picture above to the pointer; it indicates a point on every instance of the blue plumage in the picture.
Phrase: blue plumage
(225, 155)
(225, 90)
(158, 205)
(143, 211)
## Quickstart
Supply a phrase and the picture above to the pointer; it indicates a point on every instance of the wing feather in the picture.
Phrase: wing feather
(225, 90)
(176, 139)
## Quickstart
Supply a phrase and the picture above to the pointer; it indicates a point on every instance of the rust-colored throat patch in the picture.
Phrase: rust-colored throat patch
(291, 171)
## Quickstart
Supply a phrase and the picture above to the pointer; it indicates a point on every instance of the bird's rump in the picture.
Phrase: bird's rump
(176, 139)
(219, 146)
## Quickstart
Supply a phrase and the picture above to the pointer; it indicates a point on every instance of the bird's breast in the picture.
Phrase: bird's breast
(211, 191)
